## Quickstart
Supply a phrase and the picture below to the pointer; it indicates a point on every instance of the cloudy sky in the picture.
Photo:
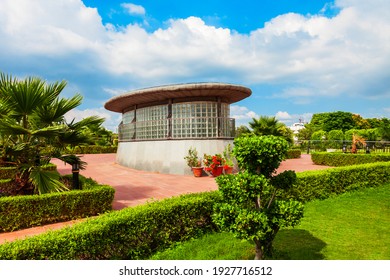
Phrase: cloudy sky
(299, 57)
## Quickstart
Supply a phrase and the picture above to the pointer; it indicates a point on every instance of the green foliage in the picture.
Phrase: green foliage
(342, 159)
(323, 184)
(136, 233)
(261, 154)
(384, 129)
(250, 208)
(333, 121)
(7, 172)
(192, 158)
(319, 135)
(242, 130)
(131, 233)
(293, 153)
(328, 231)
(271, 126)
(335, 135)
(92, 149)
(33, 129)
(18, 212)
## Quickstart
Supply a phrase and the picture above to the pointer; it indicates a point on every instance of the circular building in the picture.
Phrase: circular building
(160, 124)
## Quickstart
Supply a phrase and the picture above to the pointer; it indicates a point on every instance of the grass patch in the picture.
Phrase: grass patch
(352, 226)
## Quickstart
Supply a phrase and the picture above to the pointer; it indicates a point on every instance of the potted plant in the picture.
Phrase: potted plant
(194, 162)
(213, 165)
(228, 160)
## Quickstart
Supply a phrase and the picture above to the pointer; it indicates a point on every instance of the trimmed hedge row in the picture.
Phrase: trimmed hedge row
(323, 184)
(293, 153)
(93, 149)
(132, 233)
(9, 172)
(18, 212)
(136, 233)
(341, 159)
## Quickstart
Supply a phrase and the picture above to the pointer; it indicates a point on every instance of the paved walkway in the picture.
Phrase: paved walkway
(134, 187)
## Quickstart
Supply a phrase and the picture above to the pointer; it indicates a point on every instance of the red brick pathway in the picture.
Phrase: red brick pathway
(134, 187)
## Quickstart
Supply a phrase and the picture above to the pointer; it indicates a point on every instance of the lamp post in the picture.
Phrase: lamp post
(75, 172)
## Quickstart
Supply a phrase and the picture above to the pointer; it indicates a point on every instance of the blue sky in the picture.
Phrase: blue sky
(299, 57)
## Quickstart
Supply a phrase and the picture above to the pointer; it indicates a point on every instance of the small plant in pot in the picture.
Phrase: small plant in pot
(194, 162)
(213, 164)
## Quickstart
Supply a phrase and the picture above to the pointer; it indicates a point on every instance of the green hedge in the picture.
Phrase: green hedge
(136, 233)
(93, 149)
(132, 233)
(5, 186)
(9, 172)
(323, 184)
(341, 159)
(18, 212)
(293, 153)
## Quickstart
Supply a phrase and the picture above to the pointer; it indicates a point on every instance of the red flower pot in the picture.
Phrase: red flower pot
(228, 169)
(197, 171)
(217, 171)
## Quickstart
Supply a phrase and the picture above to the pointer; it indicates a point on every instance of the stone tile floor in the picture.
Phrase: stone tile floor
(134, 187)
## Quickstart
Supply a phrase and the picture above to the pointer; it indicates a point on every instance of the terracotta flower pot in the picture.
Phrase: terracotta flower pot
(217, 171)
(197, 171)
(228, 170)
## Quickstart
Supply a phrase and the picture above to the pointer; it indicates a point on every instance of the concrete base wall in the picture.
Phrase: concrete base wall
(165, 156)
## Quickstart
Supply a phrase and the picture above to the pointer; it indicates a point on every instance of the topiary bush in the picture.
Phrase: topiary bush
(250, 207)
(18, 212)
(343, 159)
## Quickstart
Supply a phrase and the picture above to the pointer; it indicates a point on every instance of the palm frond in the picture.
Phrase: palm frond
(46, 181)
(73, 159)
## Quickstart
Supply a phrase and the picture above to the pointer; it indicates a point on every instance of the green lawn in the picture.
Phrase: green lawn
(352, 226)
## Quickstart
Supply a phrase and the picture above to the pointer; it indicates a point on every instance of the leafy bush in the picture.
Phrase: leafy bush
(131, 233)
(342, 159)
(18, 212)
(249, 207)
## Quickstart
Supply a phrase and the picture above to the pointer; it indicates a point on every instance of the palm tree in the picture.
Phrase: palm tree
(271, 126)
(33, 130)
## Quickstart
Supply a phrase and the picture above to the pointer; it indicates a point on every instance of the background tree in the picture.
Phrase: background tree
(252, 207)
(266, 125)
(242, 130)
(384, 129)
(33, 130)
(306, 132)
(319, 135)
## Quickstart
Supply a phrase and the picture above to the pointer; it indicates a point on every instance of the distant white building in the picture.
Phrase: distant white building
(296, 127)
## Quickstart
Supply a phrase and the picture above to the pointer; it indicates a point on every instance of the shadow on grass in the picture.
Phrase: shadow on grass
(297, 244)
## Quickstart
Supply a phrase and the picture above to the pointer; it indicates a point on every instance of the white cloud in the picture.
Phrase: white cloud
(111, 122)
(282, 116)
(289, 119)
(134, 9)
(308, 56)
(242, 114)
